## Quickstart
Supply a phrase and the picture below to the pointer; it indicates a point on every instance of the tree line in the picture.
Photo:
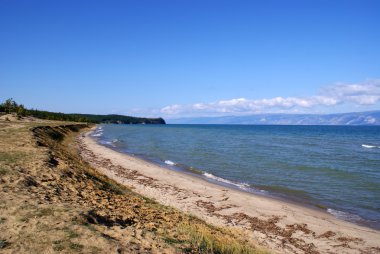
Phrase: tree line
(10, 106)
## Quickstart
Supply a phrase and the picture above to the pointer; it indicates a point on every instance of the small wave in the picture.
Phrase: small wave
(243, 186)
(344, 215)
(105, 142)
(98, 132)
(170, 163)
(369, 146)
(116, 141)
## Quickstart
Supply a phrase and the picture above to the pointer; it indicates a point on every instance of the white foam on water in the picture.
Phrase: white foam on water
(344, 215)
(369, 146)
(115, 140)
(98, 132)
(242, 186)
(105, 142)
(170, 163)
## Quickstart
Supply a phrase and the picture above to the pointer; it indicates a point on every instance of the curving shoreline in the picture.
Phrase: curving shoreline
(279, 225)
(294, 163)
(243, 187)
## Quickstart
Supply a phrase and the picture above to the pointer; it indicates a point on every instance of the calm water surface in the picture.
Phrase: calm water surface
(336, 168)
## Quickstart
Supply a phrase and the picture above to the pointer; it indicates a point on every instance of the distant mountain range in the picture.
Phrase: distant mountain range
(354, 118)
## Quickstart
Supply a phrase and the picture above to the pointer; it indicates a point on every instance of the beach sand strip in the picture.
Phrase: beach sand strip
(281, 226)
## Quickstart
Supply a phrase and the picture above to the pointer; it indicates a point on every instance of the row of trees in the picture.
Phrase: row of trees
(10, 106)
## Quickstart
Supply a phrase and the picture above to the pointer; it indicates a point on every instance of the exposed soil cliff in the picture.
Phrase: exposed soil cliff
(52, 201)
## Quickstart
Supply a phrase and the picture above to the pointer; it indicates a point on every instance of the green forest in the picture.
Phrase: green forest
(10, 106)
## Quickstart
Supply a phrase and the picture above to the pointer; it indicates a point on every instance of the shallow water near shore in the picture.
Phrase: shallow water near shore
(335, 168)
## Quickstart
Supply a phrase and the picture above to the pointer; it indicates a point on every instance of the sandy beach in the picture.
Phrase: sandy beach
(278, 225)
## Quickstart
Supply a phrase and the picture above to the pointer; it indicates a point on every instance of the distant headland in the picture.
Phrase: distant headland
(10, 106)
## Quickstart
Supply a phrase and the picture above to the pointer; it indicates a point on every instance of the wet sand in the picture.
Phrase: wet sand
(278, 225)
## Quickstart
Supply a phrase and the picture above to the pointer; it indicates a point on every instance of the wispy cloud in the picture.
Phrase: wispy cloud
(365, 93)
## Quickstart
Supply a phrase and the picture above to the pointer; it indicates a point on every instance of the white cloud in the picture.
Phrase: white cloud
(172, 109)
(366, 93)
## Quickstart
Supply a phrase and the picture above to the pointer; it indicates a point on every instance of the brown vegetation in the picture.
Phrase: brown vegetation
(52, 201)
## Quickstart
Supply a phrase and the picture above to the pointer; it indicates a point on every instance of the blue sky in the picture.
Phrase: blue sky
(191, 58)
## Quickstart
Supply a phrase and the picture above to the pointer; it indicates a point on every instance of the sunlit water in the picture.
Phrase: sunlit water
(335, 168)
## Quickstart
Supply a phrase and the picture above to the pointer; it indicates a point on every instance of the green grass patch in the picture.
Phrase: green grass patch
(58, 247)
(206, 240)
(45, 212)
(75, 246)
(72, 234)
(3, 244)
(58, 242)
(91, 227)
(12, 157)
(172, 241)
(148, 200)
(114, 187)
(38, 213)
(5, 171)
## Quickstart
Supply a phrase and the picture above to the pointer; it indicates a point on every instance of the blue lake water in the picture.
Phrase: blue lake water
(335, 168)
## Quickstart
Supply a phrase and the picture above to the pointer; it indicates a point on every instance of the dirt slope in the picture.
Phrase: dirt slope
(53, 202)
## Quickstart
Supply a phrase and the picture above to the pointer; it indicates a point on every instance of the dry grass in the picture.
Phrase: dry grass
(53, 202)
(207, 239)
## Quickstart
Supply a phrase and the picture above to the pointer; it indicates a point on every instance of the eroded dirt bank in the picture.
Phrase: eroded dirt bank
(53, 201)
